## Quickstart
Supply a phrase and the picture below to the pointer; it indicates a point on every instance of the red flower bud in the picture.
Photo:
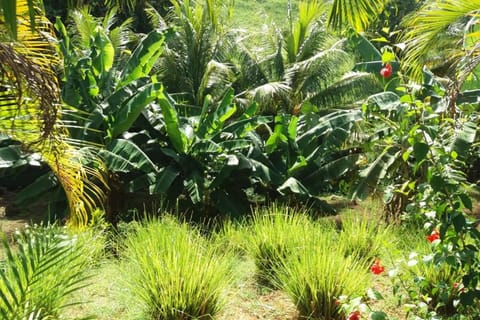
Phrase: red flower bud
(355, 315)
(386, 71)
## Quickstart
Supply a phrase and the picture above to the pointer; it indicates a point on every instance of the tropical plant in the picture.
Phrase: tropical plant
(107, 88)
(190, 67)
(307, 155)
(404, 130)
(174, 272)
(204, 158)
(30, 109)
(357, 14)
(40, 272)
(443, 36)
(308, 65)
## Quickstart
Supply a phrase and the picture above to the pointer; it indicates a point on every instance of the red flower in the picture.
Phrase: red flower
(386, 71)
(355, 315)
(435, 235)
(377, 268)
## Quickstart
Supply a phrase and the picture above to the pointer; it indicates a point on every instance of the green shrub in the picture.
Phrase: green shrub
(318, 275)
(47, 265)
(276, 233)
(174, 272)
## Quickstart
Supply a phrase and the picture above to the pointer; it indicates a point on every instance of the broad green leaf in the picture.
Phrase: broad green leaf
(34, 191)
(214, 122)
(175, 135)
(165, 179)
(131, 109)
(105, 52)
(143, 58)
(376, 171)
(365, 48)
(292, 185)
(124, 156)
(420, 151)
(464, 139)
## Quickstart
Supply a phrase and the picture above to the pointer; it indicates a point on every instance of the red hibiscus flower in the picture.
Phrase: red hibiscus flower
(355, 315)
(377, 267)
(435, 235)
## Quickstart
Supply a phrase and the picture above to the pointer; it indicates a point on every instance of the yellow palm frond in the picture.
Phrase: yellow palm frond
(30, 111)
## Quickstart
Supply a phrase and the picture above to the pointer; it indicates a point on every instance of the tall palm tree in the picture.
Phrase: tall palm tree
(30, 106)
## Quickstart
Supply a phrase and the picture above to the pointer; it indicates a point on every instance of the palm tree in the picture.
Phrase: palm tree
(309, 66)
(30, 106)
(190, 66)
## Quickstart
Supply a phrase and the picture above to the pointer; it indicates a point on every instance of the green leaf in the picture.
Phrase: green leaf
(466, 201)
(131, 109)
(165, 179)
(105, 55)
(175, 135)
(215, 121)
(294, 186)
(374, 294)
(124, 156)
(464, 139)
(143, 58)
(378, 315)
(420, 151)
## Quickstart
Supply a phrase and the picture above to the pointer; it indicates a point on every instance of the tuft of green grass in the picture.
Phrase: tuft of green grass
(362, 238)
(174, 272)
(275, 233)
(318, 275)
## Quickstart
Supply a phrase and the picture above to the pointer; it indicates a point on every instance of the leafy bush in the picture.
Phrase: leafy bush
(48, 265)
(434, 287)
(174, 272)
(318, 275)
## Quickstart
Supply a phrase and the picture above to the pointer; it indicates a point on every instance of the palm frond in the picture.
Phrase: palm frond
(431, 22)
(37, 276)
(217, 77)
(357, 14)
(319, 71)
(30, 110)
(351, 88)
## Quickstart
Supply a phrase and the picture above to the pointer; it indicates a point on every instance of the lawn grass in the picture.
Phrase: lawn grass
(107, 296)
(252, 15)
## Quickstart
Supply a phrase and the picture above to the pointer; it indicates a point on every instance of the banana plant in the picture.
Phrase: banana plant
(204, 157)
(306, 155)
(106, 87)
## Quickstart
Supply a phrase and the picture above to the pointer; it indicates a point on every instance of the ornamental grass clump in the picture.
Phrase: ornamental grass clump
(318, 276)
(362, 238)
(175, 273)
(276, 233)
